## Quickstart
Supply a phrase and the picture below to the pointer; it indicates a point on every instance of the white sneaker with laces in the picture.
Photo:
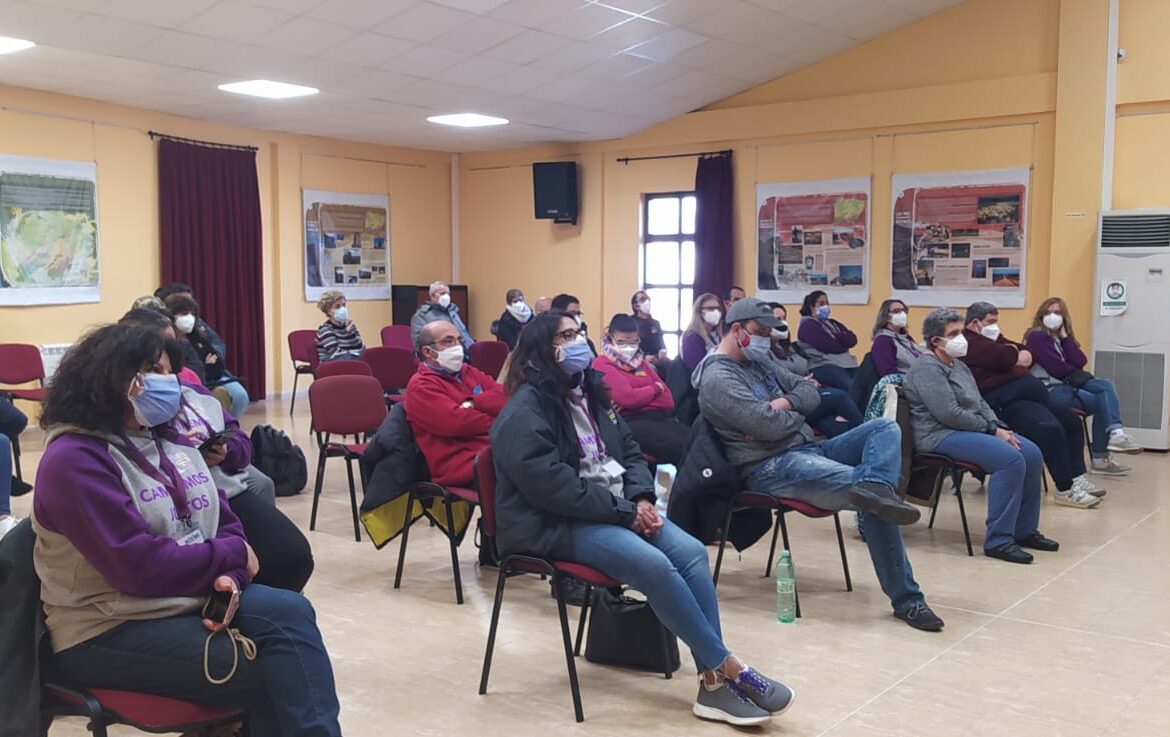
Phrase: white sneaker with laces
(1122, 442)
(1081, 483)
(1108, 467)
(1075, 498)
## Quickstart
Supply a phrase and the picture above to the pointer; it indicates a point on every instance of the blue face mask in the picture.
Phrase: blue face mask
(823, 312)
(574, 357)
(758, 349)
(341, 314)
(159, 401)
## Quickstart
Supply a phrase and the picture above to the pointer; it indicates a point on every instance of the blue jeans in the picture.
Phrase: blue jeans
(821, 473)
(1013, 490)
(5, 475)
(287, 691)
(1098, 397)
(834, 376)
(834, 403)
(670, 569)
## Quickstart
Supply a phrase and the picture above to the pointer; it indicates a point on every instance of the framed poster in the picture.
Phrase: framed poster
(813, 235)
(48, 232)
(960, 237)
(347, 244)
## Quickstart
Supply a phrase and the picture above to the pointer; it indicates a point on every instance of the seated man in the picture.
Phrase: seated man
(439, 307)
(450, 405)
(638, 393)
(571, 306)
(542, 305)
(759, 410)
(1001, 370)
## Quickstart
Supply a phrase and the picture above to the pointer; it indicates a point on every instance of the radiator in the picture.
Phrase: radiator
(51, 355)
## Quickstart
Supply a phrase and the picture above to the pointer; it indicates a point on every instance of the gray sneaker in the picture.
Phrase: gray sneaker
(1108, 467)
(1122, 442)
(771, 696)
(722, 704)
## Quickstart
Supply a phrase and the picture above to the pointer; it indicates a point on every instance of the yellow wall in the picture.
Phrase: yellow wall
(1143, 94)
(55, 126)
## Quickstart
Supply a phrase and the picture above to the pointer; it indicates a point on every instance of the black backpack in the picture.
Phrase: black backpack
(276, 455)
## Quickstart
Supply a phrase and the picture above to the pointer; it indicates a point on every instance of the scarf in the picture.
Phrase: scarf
(610, 351)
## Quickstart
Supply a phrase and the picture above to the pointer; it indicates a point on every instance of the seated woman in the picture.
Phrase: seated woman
(649, 329)
(133, 536)
(572, 485)
(949, 416)
(205, 356)
(512, 320)
(337, 338)
(826, 342)
(1059, 362)
(836, 413)
(638, 394)
(894, 349)
(704, 332)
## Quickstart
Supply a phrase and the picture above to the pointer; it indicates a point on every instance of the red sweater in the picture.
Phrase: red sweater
(449, 434)
(634, 391)
(993, 362)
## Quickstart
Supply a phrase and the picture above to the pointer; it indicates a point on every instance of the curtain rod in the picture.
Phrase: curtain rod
(628, 159)
(209, 144)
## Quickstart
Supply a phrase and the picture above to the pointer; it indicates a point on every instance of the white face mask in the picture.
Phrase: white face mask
(899, 319)
(444, 300)
(520, 311)
(185, 323)
(644, 306)
(1053, 321)
(451, 358)
(781, 333)
(711, 317)
(990, 331)
(627, 351)
(956, 347)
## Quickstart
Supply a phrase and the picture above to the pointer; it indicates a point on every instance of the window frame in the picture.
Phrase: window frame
(678, 238)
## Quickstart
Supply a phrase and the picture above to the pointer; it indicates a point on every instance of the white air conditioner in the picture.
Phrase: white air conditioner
(1131, 318)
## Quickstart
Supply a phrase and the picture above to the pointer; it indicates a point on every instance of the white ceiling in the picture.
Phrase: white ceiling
(561, 70)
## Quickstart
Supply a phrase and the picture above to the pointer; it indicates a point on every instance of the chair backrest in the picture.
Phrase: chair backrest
(393, 367)
(397, 336)
(302, 346)
(346, 405)
(20, 363)
(485, 484)
(344, 367)
(488, 356)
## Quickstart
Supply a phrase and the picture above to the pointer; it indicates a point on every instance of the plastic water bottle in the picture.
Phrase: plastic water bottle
(785, 575)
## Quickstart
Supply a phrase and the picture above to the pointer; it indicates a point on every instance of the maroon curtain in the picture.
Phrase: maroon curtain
(209, 232)
(714, 239)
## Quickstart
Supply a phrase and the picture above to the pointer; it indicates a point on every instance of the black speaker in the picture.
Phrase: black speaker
(554, 191)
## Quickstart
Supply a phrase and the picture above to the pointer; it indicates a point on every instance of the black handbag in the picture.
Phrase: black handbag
(1077, 379)
(625, 632)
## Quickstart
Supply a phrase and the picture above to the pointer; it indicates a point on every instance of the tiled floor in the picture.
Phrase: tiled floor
(1076, 644)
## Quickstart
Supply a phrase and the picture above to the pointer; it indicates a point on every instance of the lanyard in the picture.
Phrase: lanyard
(188, 411)
(583, 403)
(172, 481)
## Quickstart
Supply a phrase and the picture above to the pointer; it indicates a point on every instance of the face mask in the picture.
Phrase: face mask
(627, 351)
(711, 317)
(990, 331)
(444, 300)
(956, 347)
(185, 323)
(644, 306)
(451, 358)
(1053, 321)
(520, 311)
(899, 319)
(574, 357)
(159, 401)
(781, 333)
(823, 312)
(758, 348)
(341, 314)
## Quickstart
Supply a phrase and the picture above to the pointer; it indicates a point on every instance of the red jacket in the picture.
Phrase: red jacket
(993, 362)
(449, 434)
(634, 391)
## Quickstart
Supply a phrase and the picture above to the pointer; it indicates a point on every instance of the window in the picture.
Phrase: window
(666, 261)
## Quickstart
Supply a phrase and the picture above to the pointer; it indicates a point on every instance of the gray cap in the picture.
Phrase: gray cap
(751, 309)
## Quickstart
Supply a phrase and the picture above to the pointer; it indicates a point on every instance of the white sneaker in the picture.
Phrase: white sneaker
(1121, 442)
(1081, 483)
(1108, 467)
(1074, 498)
(7, 524)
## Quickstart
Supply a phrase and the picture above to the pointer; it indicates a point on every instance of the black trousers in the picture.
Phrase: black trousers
(659, 434)
(1023, 404)
(286, 560)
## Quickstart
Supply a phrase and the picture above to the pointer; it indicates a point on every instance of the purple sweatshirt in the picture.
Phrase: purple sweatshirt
(815, 333)
(1059, 363)
(694, 348)
(885, 353)
(239, 447)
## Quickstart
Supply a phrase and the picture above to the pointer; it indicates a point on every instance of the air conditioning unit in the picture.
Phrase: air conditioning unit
(1131, 318)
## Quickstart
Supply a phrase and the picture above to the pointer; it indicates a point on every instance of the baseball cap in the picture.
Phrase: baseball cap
(751, 309)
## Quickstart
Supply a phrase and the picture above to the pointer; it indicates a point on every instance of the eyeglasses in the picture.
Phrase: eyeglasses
(635, 344)
(447, 342)
(566, 336)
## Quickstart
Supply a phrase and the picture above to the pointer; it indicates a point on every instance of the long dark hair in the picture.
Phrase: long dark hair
(157, 319)
(810, 299)
(534, 359)
(88, 390)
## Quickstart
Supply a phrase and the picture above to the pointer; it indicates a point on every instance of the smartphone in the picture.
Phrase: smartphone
(219, 438)
(221, 606)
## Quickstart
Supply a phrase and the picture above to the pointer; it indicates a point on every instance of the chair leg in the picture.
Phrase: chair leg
(772, 550)
(963, 517)
(296, 378)
(353, 506)
(501, 579)
(788, 547)
(938, 482)
(844, 558)
(447, 504)
(723, 540)
(568, 643)
(321, 457)
(406, 523)
(662, 638)
(16, 458)
(584, 616)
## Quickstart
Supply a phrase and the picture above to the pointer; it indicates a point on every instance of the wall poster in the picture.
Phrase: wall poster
(347, 244)
(959, 237)
(48, 232)
(813, 235)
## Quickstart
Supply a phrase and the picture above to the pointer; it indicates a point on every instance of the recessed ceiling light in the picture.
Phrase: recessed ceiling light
(9, 45)
(268, 89)
(467, 120)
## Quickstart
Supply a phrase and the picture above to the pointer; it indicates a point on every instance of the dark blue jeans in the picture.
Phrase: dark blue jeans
(834, 376)
(287, 691)
(834, 403)
(1098, 397)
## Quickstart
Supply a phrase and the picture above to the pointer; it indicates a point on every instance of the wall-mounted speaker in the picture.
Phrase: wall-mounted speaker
(554, 191)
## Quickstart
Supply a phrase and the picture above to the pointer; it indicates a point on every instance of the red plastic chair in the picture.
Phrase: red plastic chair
(302, 346)
(344, 367)
(20, 363)
(344, 405)
(104, 708)
(949, 467)
(514, 564)
(488, 356)
(746, 500)
(397, 336)
(392, 367)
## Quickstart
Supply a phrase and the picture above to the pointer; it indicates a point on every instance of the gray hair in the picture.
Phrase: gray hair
(934, 325)
(980, 310)
(435, 286)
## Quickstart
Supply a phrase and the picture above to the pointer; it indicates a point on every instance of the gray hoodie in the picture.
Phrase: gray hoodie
(735, 398)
